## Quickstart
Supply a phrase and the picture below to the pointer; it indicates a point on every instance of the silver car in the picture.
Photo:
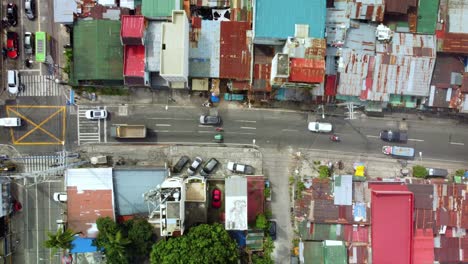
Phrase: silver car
(195, 165)
(28, 43)
(30, 9)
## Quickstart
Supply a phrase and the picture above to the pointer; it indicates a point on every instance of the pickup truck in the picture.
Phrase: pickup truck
(10, 122)
(400, 152)
(128, 131)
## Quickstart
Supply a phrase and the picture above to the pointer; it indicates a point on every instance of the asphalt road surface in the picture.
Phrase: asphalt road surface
(439, 139)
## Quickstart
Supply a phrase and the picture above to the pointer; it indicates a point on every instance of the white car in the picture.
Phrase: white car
(240, 168)
(10, 122)
(13, 81)
(60, 197)
(195, 165)
(320, 127)
(96, 114)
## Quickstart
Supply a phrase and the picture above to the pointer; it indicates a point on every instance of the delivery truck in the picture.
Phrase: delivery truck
(128, 131)
(398, 152)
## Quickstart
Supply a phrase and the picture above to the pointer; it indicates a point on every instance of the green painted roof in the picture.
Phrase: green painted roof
(427, 17)
(97, 51)
(335, 254)
(159, 8)
(313, 252)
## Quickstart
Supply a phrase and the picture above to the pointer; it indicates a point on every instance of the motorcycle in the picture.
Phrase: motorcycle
(335, 138)
(207, 104)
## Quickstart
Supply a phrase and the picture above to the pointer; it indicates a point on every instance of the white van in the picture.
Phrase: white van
(13, 81)
(10, 122)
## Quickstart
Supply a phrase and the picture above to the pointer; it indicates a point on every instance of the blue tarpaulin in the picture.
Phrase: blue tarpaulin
(214, 98)
(466, 174)
(239, 237)
(83, 245)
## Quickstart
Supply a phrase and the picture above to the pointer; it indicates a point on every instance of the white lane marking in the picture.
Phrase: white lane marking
(240, 133)
(290, 130)
(248, 127)
(210, 132)
(169, 118)
(457, 143)
(372, 136)
(204, 126)
(415, 139)
(163, 125)
(246, 121)
(173, 131)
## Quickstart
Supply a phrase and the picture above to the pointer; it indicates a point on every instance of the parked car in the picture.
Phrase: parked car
(96, 114)
(13, 81)
(180, 164)
(28, 43)
(216, 198)
(30, 9)
(320, 127)
(209, 167)
(195, 165)
(210, 120)
(12, 14)
(10, 122)
(60, 197)
(12, 45)
(435, 172)
(240, 168)
(272, 229)
(393, 136)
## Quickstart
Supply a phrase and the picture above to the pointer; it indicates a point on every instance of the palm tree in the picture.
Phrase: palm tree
(60, 240)
(115, 250)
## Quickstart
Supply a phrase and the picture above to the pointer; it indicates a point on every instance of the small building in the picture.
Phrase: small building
(236, 203)
(160, 9)
(64, 11)
(133, 30)
(90, 196)
(172, 207)
(97, 52)
(204, 58)
(175, 50)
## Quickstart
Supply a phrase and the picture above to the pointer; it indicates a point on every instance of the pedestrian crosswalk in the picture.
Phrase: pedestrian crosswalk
(50, 165)
(39, 85)
(89, 131)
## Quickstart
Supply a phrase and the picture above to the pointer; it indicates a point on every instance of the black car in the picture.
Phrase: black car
(210, 120)
(12, 14)
(272, 230)
(393, 136)
(435, 172)
(209, 167)
(180, 164)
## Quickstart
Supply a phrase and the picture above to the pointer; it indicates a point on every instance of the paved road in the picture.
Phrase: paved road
(440, 139)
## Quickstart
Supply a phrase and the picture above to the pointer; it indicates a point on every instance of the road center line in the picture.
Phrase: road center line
(371, 136)
(173, 131)
(210, 132)
(289, 130)
(203, 126)
(246, 121)
(163, 125)
(457, 143)
(414, 139)
(248, 127)
(170, 118)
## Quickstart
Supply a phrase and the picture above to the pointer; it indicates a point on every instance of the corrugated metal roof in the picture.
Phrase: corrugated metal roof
(204, 50)
(353, 70)
(161, 8)
(455, 43)
(64, 10)
(464, 87)
(90, 196)
(312, 252)
(361, 39)
(358, 254)
(307, 70)
(399, 6)
(273, 20)
(97, 51)
(262, 74)
(356, 234)
(372, 10)
(392, 208)
(255, 187)
(235, 56)
(444, 66)
(134, 61)
(427, 17)
(343, 189)
(133, 29)
(330, 88)
(423, 246)
(457, 13)
(408, 44)
(335, 252)
(153, 46)
(236, 203)
(422, 195)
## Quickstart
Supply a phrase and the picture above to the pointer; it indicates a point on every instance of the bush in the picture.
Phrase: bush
(266, 192)
(460, 172)
(419, 171)
(261, 222)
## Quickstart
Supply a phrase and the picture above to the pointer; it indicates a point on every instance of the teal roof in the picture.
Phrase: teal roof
(97, 51)
(159, 8)
(276, 19)
(427, 17)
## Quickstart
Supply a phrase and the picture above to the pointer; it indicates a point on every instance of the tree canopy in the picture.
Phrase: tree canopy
(60, 239)
(202, 244)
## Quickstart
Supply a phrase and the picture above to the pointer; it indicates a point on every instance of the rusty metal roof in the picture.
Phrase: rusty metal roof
(399, 6)
(408, 44)
(307, 70)
(235, 56)
(464, 88)
(455, 43)
(353, 68)
(422, 195)
(361, 39)
(444, 66)
(372, 10)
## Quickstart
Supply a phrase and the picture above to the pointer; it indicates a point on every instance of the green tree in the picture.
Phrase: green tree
(460, 172)
(115, 248)
(419, 171)
(262, 260)
(268, 246)
(324, 172)
(105, 225)
(202, 244)
(261, 222)
(60, 240)
(142, 237)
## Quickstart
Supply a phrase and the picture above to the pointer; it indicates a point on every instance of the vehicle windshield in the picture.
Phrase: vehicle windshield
(317, 126)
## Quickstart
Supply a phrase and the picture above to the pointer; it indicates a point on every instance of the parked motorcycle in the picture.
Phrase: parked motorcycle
(335, 138)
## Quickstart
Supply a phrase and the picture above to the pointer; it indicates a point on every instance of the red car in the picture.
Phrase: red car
(216, 198)
(12, 45)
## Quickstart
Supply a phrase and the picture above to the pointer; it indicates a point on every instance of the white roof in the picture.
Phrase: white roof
(63, 11)
(236, 203)
(89, 179)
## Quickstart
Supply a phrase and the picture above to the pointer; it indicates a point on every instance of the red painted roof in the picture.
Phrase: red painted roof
(255, 196)
(330, 87)
(307, 70)
(234, 51)
(392, 226)
(133, 28)
(423, 246)
(134, 61)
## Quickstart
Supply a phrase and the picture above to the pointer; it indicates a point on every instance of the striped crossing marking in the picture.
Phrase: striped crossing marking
(39, 85)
